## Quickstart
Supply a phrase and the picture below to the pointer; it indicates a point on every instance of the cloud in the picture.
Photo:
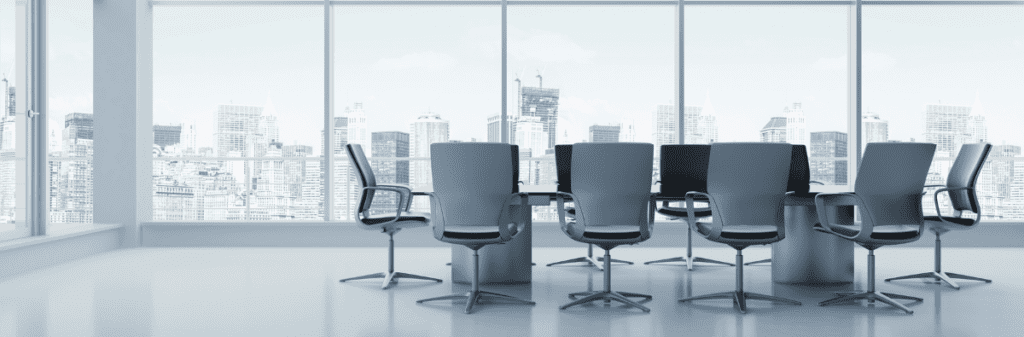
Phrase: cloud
(423, 60)
(549, 47)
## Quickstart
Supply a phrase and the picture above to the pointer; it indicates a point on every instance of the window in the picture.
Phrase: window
(950, 75)
(13, 192)
(237, 105)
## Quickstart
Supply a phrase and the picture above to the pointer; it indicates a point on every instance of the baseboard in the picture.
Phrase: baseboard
(23, 255)
(544, 235)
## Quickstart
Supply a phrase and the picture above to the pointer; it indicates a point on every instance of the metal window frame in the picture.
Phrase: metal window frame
(854, 112)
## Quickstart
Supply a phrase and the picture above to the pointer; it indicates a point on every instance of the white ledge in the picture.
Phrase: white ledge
(57, 235)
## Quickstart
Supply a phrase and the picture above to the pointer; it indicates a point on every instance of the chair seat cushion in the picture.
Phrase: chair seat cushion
(681, 212)
(962, 222)
(885, 232)
(742, 232)
(612, 232)
(408, 221)
(476, 232)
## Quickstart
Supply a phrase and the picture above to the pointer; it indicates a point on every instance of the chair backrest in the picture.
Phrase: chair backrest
(890, 181)
(684, 168)
(964, 173)
(612, 183)
(515, 168)
(799, 171)
(470, 182)
(563, 164)
(747, 182)
(366, 178)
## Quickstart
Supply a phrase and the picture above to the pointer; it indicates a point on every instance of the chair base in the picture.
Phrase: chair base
(758, 261)
(473, 297)
(589, 260)
(689, 262)
(739, 298)
(390, 278)
(872, 296)
(607, 296)
(941, 276)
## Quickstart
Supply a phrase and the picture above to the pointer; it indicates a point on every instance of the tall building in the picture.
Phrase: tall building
(389, 144)
(604, 133)
(946, 126)
(666, 126)
(426, 129)
(828, 160)
(358, 132)
(72, 202)
(774, 131)
(189, 135)
(796, 125)
(237, 130)
(543, 103)
(530, 136)
(700, 124)
(166, 135)
(876, 130)
(628, 133)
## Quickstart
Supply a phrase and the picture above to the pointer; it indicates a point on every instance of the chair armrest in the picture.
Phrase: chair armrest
(815, 182)
(503, 216)
(560, 200)
(825, 202)
(404, 197)
(691, 219)
(409, 196)
(938, 211)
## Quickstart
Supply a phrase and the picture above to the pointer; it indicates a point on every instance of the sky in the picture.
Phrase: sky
(612, 64)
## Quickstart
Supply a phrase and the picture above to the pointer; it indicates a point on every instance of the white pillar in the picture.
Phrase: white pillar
(122, 114)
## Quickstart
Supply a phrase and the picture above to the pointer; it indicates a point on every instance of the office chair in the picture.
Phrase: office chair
(614, 205)
(470, 205)
(563, 161)
(746, 189)
(387, 224)
(684, 168)
(799, 180)
(888, 195)
(960, 188)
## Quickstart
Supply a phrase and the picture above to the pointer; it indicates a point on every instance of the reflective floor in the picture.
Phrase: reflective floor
(295, 292)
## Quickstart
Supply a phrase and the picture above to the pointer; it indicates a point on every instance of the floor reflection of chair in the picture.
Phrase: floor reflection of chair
(387, 224)
(746, 188)
(614, 206)
(962, 195)
(472, 201)
(888, 194)
(563, 163)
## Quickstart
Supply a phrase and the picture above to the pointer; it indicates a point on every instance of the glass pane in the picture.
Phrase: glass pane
(231, 83)
(770, 74)
(585, 74)
(13, 223)
(398, 89)
(69, 107)
(950, 75)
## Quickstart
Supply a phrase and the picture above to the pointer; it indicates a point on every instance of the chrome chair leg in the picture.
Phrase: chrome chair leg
(589, 259)
(938, 274)
(689, 259)
(607, 295)
(871, 294)
(391, 276)
(738, 296)
(758, 261)
(475, 295)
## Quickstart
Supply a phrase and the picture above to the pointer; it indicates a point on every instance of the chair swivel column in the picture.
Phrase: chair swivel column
(589, 259)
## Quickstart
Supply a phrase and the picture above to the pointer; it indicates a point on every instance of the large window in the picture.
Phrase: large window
(950, 75)
(238, 96)
(12, 125)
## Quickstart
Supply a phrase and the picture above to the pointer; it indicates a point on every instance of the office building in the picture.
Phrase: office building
(387, 145)
(238, 130)
(166, 135)
(796, 124)
(827, 157)
(426, 129)
(876, 130)
(542, 103)
(666, 126)
(774, 131)
(604, 133)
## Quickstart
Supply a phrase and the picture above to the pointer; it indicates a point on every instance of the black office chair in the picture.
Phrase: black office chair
(614, 206)
(684, 168)
(471, 205)
(960, 189)
(563, 161)
(387, 224)
(887, 193)
(746, 190)
(799, 180)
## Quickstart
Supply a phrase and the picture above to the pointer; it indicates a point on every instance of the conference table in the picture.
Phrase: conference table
(805, 256)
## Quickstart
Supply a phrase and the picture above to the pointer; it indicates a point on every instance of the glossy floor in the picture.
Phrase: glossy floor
(295, 292)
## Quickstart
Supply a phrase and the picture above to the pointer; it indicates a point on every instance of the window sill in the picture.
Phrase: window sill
(57, 235)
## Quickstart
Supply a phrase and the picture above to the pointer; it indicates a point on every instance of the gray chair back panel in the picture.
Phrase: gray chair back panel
(612, 183)
(365, 171)
(890, 181)
(470, 181)
(747, 182)
(684, 168)
(964, 173)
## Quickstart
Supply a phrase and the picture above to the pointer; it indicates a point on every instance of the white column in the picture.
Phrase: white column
(122, 115)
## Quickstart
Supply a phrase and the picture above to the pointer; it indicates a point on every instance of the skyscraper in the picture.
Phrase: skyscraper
(530, 136)
(389, 144)
(426, 129)
(543, 103)
(166, 135)
(876, 130)
(828, 157)
(604, 133)
(666, 126)
(774, 131)
(796, 125)
(237, 129)
(947, 127)
(73, 198)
